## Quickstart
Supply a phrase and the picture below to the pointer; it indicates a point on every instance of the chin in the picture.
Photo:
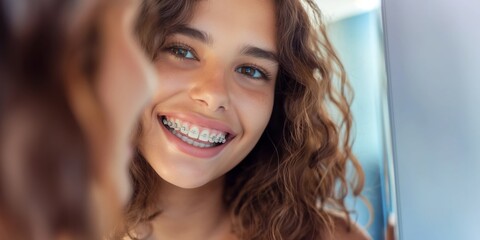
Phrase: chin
(190, 181)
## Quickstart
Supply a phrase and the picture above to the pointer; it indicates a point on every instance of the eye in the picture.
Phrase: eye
(252, 72)
(182, 52)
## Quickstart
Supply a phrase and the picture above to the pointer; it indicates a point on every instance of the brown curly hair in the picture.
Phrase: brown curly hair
(299, 166)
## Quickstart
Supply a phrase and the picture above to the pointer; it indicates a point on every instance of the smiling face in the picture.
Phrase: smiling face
(216, 91)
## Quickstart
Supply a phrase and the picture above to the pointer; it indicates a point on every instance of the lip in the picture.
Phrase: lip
(192, 150)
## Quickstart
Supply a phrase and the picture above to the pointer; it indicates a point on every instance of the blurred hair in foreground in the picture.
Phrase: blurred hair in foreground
(44, 167)
(58, 143)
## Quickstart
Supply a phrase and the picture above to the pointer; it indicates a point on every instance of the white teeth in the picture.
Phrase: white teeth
(212, 138)
(177, 124)
(190, 141)
(194, 132)
(215, 139)
(204, 135)
(184, 129)
(221, 138)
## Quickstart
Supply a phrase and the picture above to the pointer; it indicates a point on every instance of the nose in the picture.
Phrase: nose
(211, 90)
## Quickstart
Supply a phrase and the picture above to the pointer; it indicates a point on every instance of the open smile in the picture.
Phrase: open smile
(194, 139)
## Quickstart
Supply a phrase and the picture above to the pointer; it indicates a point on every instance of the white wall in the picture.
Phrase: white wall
(433, 57)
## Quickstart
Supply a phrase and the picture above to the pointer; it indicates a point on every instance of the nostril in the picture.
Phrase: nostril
(214, 106)
(212, 95)
(222, 108)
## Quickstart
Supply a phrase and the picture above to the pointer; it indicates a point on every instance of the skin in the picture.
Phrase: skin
(219, 81)
(126, 83)
(124, 86)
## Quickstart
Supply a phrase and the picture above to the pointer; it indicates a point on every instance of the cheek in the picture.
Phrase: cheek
(172, 82)
(255, 110)
(122, 100)
(171, 76)
(126, 78)
(147, 124)
(123, 88)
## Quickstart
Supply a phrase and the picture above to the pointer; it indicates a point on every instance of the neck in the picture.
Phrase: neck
(191, 213)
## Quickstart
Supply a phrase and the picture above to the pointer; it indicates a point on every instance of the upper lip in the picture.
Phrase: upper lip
(201, 122)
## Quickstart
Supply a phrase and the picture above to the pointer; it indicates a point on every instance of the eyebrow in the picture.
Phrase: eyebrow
(193, 33)
(207, 39)
(259, 53)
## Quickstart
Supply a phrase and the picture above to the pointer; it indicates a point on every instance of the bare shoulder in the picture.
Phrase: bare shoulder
(343, 230)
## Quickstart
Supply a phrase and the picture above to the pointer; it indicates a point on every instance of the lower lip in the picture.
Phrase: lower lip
(189, 149)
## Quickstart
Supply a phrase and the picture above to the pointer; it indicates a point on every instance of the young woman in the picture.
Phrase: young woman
(74, 81)
(248, 136)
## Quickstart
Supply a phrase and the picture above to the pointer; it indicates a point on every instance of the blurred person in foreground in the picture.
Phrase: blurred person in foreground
(73, 82)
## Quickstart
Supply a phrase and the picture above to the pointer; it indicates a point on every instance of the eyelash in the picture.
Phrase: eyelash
(264, 74)
(176, 46)
(181, 46)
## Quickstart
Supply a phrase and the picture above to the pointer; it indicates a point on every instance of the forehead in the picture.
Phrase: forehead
(246, 21)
